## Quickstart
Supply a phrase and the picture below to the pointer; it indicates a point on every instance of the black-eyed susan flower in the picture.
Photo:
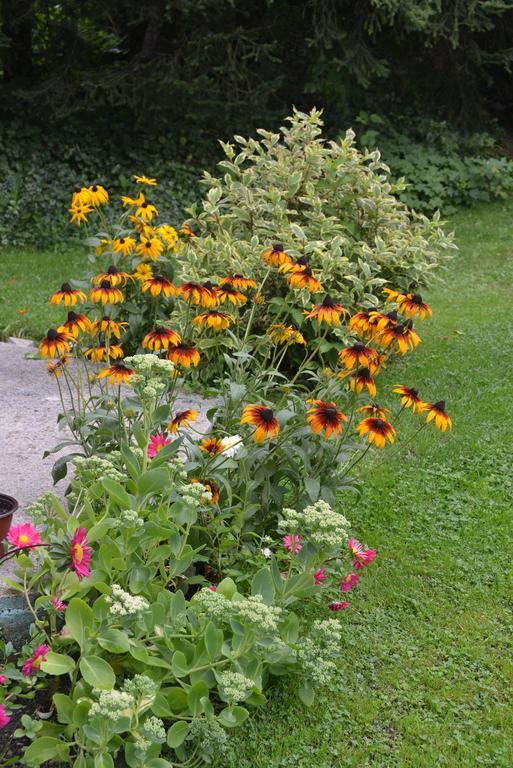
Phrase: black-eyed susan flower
(276, 256)
(150, 247)
(105, 293)
(239, 281)
(289, 266)
(356, 355)
(143, 272)
(75, 324)
(148, 181)
(213, 319)
(328, 312)
(68, 295)
(437, 412)
(228, 292)
(262, 417)
(123, 245)
(145, 211)
(409, 398)
(360, 323)
(80, 196)
(360, 379)
(402, 335)
(132, 201)
(182, 419)
(379, 321)
(392, 295)
(158, 284)
(101, 352)
(79, 213)
(411, 305)
(112, 276)
(55, 368)
(304, 278)
(184, 354)
(98, 195)
(186, 231)
(168, 235)
(55, 343)
(325, 416)
(195, 293)
(286, 334)
(103, 247)
(108, 326)
(212, 445)
(378, 431)
(213, 487)
(117, 373)
(161, 337)
(374, 410)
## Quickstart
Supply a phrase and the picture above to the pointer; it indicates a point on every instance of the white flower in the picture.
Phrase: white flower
(123, 603)
(231, 445)
(266, 552)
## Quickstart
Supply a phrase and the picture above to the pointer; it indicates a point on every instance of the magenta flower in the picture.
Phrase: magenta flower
(157, 442)
(362, 556)
(23, 536)
(292, 543)
(349, 581)
(80, 553)
(4, 717)
(342, 605)
(58, 605)
(320, 576)
(32, 665)
(3, 679)
(212, 588)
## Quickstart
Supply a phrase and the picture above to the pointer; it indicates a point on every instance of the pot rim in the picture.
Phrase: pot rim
(13, 503)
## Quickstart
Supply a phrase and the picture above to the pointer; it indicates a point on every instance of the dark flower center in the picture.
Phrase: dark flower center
(147, 244)
(105, 285)
(121, 240)
(440, 405)
(417, 298)
(72, 316)
(94, 188)
(66, 288)
(358, 346)
(112, 270)
(307, 271)
(414, 392)
(365, 374)
(302, 261)
(330, 413)
(278, 247)
(399, 328)
(409, 325)
(160, 330)
(160, 278)
(105, 319)
(379, 423)
(208, 285)
(267, 415)
(144, 205)
(328, 302)
(238, 276)
(52, 334)
(392, 315)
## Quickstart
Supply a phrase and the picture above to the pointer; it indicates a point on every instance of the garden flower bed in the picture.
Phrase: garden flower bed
(171, 587)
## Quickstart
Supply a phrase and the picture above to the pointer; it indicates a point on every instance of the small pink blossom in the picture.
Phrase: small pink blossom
(157, 442)
(340, 606)
(34, 663)
(212, 588)
(23, 536)
(3, 679)
(349, 581)
(362, 556)
(320, 576)
(58, 604)
(4, 717)
(80, 553)
(292, 543)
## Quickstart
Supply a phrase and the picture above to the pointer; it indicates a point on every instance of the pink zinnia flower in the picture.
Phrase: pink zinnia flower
(23, 536)
(4, 717)
(58, 604)
(34, 663)
(349, 581)
(213, 588)
(3, 679)
(338, 606)
(292, 543)
(362, 557)
(157, 442)
(80, 553)
(319, 576)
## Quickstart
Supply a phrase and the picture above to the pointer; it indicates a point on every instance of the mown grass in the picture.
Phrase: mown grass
(28, 277)
(426, 677)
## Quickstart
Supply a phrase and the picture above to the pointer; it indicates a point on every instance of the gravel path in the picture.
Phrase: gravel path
(29, 406)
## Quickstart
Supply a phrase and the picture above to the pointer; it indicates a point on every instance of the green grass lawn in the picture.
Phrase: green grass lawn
(426, 678)
(28, 277)
(427, 674)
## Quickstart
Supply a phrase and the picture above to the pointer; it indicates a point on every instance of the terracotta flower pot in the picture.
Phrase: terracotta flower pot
(8, 507)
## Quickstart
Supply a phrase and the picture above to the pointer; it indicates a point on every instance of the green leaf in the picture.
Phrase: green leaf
(306, 693)
(153, 481)
(158, 762)
(79, 618)
(179, 665)
(58, 664)
(312, 486)
(233, 717)
(97, 672)
(198, 691)
(116, 492)
(213, 640)
(140, 577)
(103, 760)
(64, 706)
(227, 587)
(177, 734)
(114, 641)
(45, 748)
(263, 584)
(176, 698)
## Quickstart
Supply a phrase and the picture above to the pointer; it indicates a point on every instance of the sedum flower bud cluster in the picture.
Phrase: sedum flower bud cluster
(318, 650)
(195, 494)
(112, 705)
(90, 470)
(38, 510)
(149, 366)
(140, 686)
(211, 737)
(123, 603)
(129, 518)
(214, 604)
(151, 731)
(249, 610)
(325, 528)
(235, 686)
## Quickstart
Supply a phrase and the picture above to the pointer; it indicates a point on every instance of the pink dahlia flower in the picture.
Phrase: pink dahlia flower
(349, 581)
(212, 588)
(32, 665)
(340, 606)
(80, 553)
(4, 717)
(292, 543)
(58, 605)
(320, 576)
(362, 556)
(3, 679)
(23, 536)
(157, 442)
